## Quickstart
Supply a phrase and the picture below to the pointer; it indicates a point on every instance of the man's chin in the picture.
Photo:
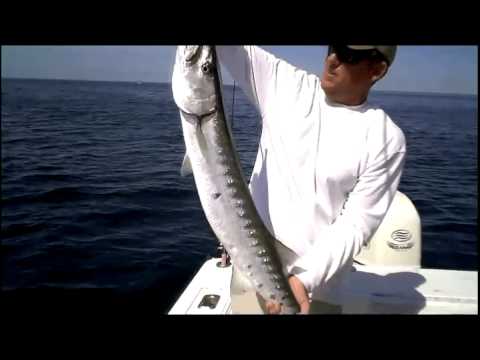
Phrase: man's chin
(327, 86)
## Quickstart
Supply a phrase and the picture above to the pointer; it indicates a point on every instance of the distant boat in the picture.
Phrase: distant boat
(139, 82)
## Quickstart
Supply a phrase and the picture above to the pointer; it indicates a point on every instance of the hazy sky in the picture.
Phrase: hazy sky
(446, 69)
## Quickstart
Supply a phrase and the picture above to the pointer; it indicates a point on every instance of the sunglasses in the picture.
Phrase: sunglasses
(353, 57)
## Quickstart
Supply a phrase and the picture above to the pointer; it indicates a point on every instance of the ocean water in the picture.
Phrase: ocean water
(92, 197)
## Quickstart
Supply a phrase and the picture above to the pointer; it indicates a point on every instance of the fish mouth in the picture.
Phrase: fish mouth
(191, 53)
(199, 116)
(199, 107)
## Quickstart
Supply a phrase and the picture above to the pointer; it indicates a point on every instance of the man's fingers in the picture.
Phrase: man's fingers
(300, 294)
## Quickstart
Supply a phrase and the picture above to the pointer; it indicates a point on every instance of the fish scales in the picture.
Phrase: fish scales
(221, 185)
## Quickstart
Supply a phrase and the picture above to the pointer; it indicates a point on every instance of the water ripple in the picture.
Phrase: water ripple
(92, 195)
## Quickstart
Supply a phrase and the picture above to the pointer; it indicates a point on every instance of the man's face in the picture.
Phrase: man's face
(345, 77)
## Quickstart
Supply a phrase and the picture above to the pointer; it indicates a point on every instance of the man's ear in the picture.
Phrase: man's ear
(378, 71)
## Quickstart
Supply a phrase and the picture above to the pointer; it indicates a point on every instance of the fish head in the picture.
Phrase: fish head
(193, 79)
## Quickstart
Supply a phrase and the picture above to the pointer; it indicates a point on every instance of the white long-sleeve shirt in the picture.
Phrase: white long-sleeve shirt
(325, 174)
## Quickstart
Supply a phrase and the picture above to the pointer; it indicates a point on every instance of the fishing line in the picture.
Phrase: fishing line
(233, 102)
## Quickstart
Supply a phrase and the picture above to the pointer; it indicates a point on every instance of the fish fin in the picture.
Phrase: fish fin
(186, 168)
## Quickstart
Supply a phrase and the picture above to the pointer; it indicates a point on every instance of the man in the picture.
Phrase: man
(328, 163)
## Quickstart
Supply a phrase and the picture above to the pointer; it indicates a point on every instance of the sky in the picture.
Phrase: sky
(439, 69)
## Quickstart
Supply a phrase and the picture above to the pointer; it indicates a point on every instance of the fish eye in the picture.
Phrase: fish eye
(207, 68)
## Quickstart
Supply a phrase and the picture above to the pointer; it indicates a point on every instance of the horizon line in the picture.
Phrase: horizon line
(163, 82)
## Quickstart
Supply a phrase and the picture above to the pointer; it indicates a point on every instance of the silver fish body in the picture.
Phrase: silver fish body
(221, 185)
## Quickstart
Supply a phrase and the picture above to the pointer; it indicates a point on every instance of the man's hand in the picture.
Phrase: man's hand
(300, 294)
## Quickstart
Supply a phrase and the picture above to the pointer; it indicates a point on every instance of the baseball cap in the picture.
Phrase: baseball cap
(388, 51)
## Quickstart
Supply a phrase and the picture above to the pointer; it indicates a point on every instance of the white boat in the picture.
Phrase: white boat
(386, 277)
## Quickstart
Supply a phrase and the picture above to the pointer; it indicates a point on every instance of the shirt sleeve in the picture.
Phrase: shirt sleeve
(270, 83)
(362, 214)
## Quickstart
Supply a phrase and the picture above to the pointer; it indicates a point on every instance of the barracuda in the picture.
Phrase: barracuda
(221, 185)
